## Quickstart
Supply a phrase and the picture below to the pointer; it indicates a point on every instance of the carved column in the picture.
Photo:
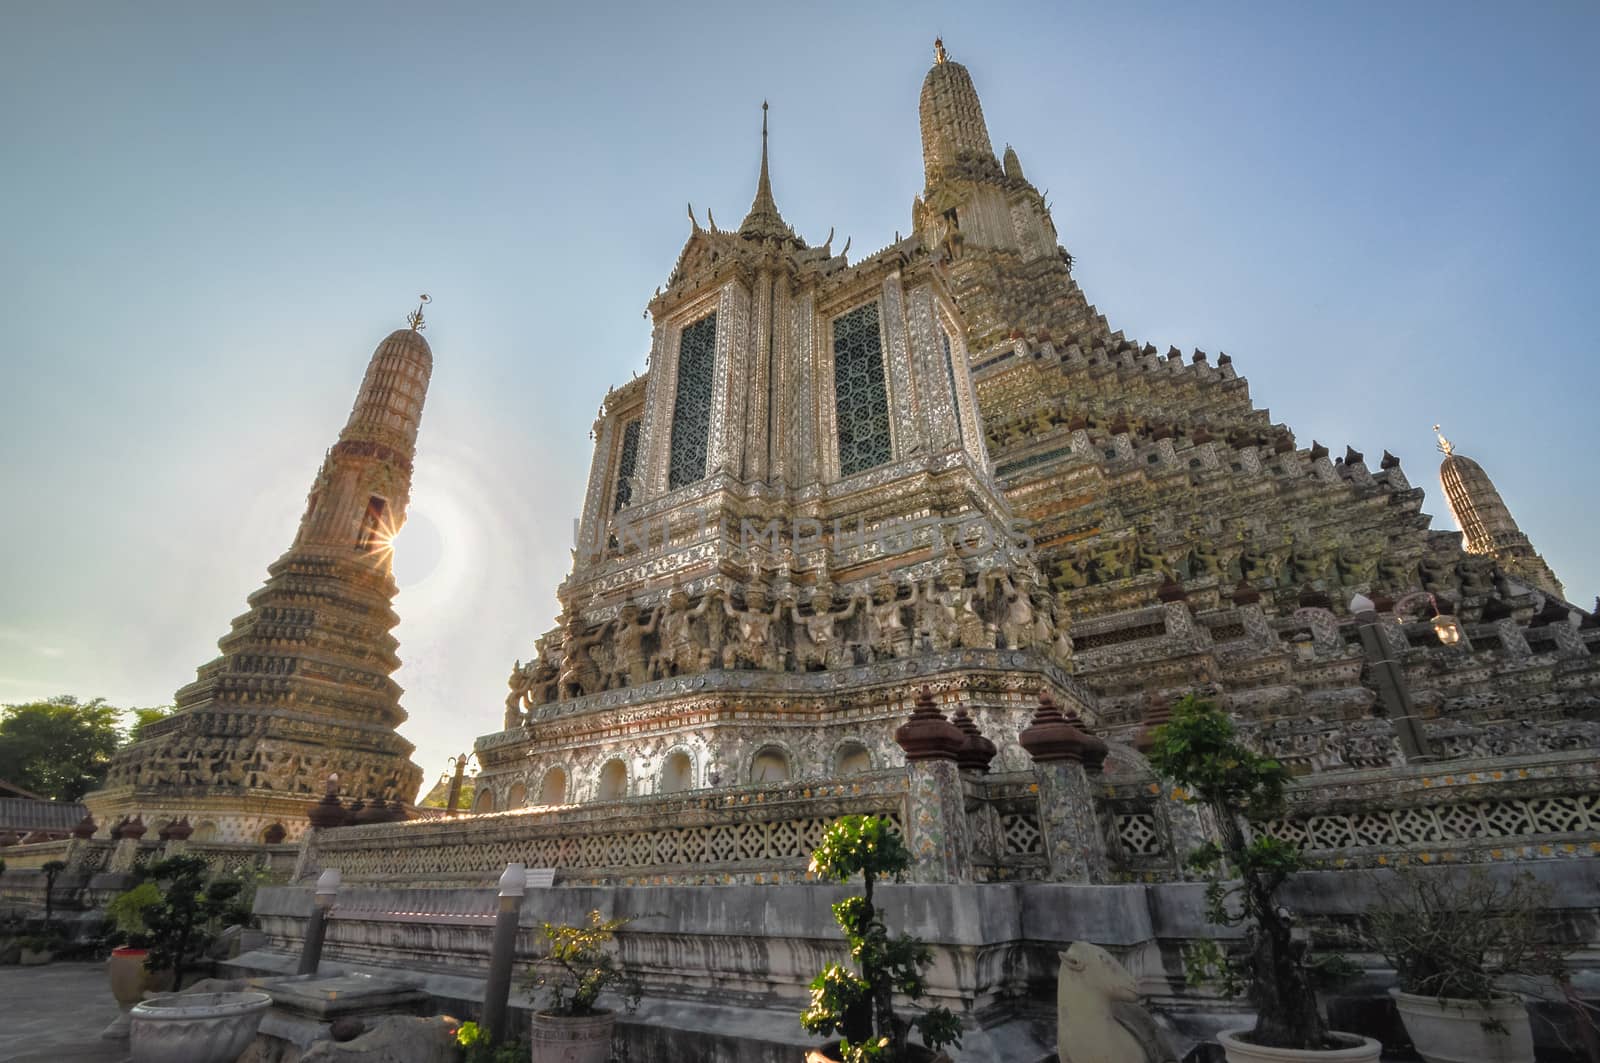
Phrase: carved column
(1063, 759)
(936, 827)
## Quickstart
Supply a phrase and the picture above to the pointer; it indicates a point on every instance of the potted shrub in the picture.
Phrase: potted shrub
(130, 979)
(579, 966)
(39, 949)
(190, 914)
(1199, 750)
(1452, 937)
(476, 1048)
(858, 1004)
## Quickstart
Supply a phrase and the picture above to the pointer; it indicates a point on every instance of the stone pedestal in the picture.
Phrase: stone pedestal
(1063, 756)
(936, 828)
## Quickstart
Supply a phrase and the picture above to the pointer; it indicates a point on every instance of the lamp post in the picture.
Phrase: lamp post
(316, 928)
(513, 884)
(459, 763)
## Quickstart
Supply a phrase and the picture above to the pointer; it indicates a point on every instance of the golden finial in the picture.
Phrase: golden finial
(938, 50)
(414, 319)
(1446, 447)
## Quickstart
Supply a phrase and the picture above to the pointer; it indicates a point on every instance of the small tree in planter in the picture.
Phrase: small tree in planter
(190, 914)
(1452, 936)
(1199, 750)
(52, 870)
(859, 1005)
(579, 966)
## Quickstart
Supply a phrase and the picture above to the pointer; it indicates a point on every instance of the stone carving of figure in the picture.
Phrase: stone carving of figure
(937, 619)
(1203, 559)
(1017, 619)
(818, 644)
(633, 664)
(1476, 574)
(1112, 561)
(887, 634)
(1147, 558)
(1070, 573)
(680, 652)
(519, 682)
(580, 671)
(1253, 561)
(1437, 575)
(1098, 1015)
(752, 645)
(1395, 573)
(1353, 568)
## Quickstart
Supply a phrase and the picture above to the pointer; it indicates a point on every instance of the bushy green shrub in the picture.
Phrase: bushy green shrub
(858, 1004)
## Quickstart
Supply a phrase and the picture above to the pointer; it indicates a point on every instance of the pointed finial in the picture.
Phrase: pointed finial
(1446, 447)
(414, 319)
(938, 50)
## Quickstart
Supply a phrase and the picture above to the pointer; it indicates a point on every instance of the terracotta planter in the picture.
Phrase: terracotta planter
(1446, 1030)
(572, 1039)
(1360, 1050)
(127, 973)
(196, 1027)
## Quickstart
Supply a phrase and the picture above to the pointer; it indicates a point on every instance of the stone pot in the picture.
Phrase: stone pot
(196, 1027)
(1447, 1030)
(1360, 1050)
(572, 1038)
(129, 979)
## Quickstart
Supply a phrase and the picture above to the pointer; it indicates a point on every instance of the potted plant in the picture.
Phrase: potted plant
(1452, 937)
(190, 914)
(475, 1047)
(1199, 751)
(858, 1004)
(39, 949)
(579, 966)
(130, 979)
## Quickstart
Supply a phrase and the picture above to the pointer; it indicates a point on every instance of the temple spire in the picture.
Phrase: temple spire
(763, 219)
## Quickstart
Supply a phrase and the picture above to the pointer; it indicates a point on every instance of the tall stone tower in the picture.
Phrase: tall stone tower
(1487, 526)
(302, 688)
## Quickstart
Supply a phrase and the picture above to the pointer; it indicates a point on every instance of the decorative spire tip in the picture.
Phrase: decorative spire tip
(414, 319)
(1446, 447)
(938, 50)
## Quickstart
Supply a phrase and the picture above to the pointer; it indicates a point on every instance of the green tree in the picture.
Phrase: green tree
(1200, 751)
(58, 748)
(859, 1004)
(143, 718)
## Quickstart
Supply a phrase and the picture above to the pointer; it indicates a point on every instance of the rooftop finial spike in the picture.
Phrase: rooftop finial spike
(1446, 447)
(764, 219)
(414, 319)
(938, 50)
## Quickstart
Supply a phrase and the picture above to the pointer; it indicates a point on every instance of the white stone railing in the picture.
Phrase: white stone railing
(748, 834)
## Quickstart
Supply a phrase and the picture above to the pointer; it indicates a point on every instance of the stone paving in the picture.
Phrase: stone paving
(54, 1014)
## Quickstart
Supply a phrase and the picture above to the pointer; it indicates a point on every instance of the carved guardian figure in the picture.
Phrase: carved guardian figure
(1098, 1015)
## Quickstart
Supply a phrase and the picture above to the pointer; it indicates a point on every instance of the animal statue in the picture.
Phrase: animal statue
(1098, 1015)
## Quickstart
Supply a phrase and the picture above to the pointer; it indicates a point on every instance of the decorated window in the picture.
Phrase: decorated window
(625, 465)
(861, 396)
(372, 535)
(691, 409)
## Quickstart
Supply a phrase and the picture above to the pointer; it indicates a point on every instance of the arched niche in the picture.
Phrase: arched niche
(553, 787)
(207, 831)
(677, 773)
(517, 797)
(484, 801)
(851, 758)
(613, 781)
(770, 765)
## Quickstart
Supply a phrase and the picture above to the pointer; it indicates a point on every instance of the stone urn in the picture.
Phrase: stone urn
(196, 1027)
(572, 1038)
(1446, 1030)
(1354, 1048)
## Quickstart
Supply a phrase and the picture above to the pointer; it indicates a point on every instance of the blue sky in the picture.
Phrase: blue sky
(1384, 212)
